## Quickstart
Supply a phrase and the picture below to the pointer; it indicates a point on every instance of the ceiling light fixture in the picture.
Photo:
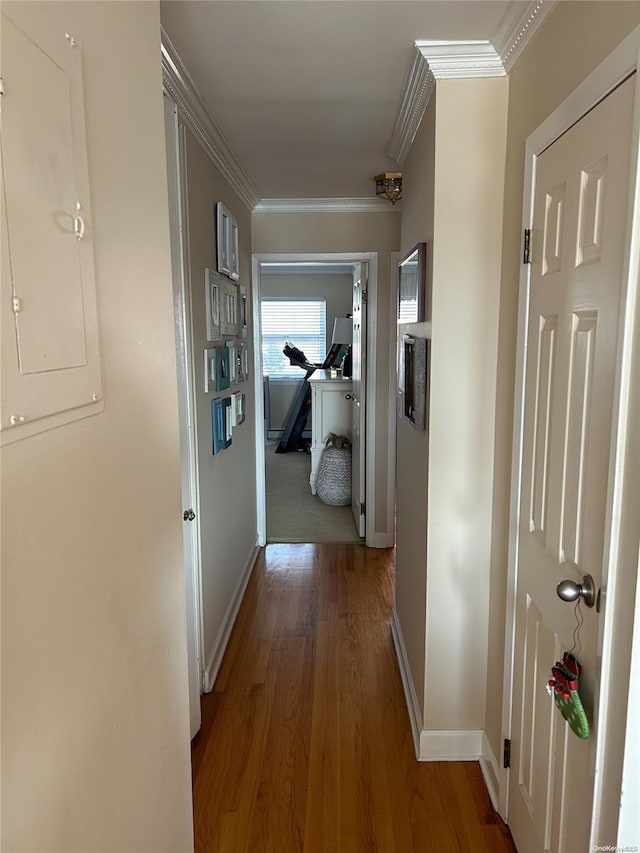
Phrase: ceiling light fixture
(389, 185)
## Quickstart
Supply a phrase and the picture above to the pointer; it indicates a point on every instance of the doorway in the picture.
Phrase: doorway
(287, 479)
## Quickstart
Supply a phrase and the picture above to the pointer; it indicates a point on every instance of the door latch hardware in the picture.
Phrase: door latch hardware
(569, 590)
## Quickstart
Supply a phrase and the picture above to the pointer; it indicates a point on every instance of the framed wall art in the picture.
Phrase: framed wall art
(212, 290)
(222, 369)
(233, 361)
(412, 285)
(209, 367)
(229, 308)
(220, 424)
(242, 362)
(227, 242)
(243, 327)
(414, 378)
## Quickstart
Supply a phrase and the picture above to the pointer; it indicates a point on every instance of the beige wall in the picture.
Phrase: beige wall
(95, 730)
(413, 445)
(337, 290)
(443, 548)
(226, 480)
(573, 40)
(346, 232)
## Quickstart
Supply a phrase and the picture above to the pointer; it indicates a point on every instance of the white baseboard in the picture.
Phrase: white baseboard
(214, 658)
(490, 771)
(451, 745)
(381, 540)
(413, 706)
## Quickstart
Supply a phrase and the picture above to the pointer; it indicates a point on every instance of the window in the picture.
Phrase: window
(302, 322)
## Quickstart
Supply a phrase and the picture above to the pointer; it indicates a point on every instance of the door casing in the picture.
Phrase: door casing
(619, 65)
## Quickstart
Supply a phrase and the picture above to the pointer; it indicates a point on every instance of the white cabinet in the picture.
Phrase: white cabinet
(330, 412)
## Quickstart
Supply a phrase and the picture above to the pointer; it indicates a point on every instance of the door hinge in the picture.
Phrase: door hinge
(526, 254)
(506, 757)
(1, 86)
(364, 296)
(16, 304)
(362, 508)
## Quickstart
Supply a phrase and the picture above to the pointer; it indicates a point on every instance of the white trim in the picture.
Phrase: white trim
(454, 60)
(437, 60)
(180, 87)
(374, 538)
(214, 658)
(519, 25)
(306, 269)
(393, 396)
(490, 771)
(258, 382)
(418, 88)
(410, 696)
(612, 71)
(451, 745)
(326, 205)
(186, 397)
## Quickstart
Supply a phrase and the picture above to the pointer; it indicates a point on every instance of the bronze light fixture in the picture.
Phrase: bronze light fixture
(389, 186)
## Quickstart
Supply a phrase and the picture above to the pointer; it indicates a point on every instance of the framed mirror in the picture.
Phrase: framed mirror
(412, 285)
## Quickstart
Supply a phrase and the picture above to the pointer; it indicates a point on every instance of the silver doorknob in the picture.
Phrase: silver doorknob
(188, 515)
(569, 590)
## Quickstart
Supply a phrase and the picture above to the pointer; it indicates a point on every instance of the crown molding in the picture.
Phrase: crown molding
(437, 60)
(519, 25)
(180, 87)
(325, 205)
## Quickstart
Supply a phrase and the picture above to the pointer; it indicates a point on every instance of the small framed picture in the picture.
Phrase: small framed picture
(243, 326)
(230, 308)
(242, 362)
(212, 288)
(222, 368)
(209, 369)
(233, 361)
(240, 408)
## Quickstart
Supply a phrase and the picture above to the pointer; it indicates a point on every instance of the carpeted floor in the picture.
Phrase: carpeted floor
(293, 513)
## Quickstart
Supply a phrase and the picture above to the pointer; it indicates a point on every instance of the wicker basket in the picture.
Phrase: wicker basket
(333, 483)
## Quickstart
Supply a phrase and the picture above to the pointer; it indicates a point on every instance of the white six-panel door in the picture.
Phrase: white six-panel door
(580, 212)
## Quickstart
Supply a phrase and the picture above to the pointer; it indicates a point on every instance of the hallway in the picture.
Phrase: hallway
(305, 742)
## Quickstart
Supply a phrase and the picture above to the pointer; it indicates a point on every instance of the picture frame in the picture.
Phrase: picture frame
(233, 361)
(218, 426)
(243, 326)
(209, 367)
(412, 285)
(229, 308)
(227, 242)
(240, 404)
(212, 287)
(222, 369)
(414, 379)
(242, 362)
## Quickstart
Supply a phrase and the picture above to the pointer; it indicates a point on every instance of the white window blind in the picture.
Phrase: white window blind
(302, 322)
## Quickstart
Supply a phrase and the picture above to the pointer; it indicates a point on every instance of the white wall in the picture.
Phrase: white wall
(95, 729)
(337, 290)
(444, 544)
(227, 502)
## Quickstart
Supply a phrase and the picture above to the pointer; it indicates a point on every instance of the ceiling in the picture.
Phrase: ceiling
(307, 92)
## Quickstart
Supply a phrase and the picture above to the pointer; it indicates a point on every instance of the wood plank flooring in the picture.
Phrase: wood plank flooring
(305, 743)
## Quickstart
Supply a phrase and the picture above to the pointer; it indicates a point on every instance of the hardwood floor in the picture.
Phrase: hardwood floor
(305, 743)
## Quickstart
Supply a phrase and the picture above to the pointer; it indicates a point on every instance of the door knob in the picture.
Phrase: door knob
(188, 515)
(348, 397)
(569, 590)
